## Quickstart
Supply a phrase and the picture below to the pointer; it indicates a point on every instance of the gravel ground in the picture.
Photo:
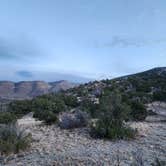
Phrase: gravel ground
(53, 146)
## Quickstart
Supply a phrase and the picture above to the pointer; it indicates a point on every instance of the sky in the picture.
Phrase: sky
(80, 40)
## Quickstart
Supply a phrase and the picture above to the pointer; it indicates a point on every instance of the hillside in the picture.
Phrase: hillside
(149, 82)
(145, 86)
(29, 89)
(109, 122)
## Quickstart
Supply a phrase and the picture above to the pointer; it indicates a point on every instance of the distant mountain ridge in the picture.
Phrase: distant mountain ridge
(153, 80)
(30, 89)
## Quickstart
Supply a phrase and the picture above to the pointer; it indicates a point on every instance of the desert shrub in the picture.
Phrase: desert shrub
(70, 100)
(47, 108)
(52, 104)
(110, 123)
(47, 116)
(139, 111)
(111, 129)
(7, 117)
(89, 107)
(73, 120)
(81, 91)
(159, 96)
(13, 140)
(20, 108)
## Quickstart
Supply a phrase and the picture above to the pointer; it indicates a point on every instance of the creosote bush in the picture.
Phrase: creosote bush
(49, 103)
(47, 116)
(13, 140)
(110, 123)
(139, 111)
(20, 108)
(89, 107)
(47, 107)
(7, 118)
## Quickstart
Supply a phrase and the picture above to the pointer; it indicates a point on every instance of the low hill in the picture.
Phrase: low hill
(148, 85)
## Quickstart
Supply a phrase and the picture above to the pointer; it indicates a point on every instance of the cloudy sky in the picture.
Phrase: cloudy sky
(80, 40)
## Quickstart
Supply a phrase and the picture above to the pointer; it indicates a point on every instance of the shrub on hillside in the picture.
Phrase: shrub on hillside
(110, 123)
(47, 116)
(13, 140)
(159, 96)
(111, 130)
(89, 107)
(70, 100)
(139, 111)
(7, 117)
(51, 104)
(20, 108)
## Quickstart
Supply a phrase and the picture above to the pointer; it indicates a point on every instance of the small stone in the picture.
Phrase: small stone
(20, 164)
(1, 159)
(20, 155)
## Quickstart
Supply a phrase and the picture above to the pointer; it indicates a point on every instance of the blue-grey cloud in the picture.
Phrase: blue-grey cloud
(120, 41)
(17, 48)
(6, 51)
(56, 76)
(24, 74)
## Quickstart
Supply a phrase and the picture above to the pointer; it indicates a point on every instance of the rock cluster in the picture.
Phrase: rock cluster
(69, 120)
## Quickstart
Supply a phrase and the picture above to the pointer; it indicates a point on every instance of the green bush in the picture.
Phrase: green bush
(7, 117)
(111, 130)
(47, 116)
(159, 96)
(13, 140)
(110, 123)
(89, 107)
(54, 105)
(139, 111)
(20, 108)
(70, 101)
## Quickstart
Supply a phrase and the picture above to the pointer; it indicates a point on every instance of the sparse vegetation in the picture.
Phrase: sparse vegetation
(109, 105)
(13, 140)
(89, 107)
(7, 117)
(20, 108)
(46, 107)
(110, 123)
(47, 116)
(139, 111)
(112, 102)
(48, 102)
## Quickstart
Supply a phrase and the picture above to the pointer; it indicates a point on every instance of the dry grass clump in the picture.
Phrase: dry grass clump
(13, 139)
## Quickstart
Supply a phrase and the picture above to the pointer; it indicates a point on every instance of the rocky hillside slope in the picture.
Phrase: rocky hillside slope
(29, 89)
(146, 86)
